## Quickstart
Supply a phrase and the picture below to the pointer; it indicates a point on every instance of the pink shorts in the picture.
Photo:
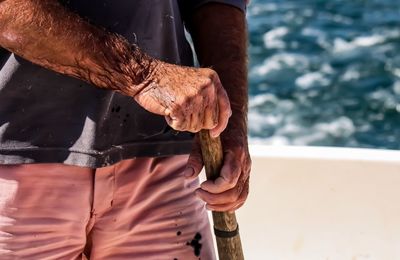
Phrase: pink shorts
(136, 209)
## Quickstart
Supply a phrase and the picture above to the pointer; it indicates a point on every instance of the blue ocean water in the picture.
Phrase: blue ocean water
(325, 72)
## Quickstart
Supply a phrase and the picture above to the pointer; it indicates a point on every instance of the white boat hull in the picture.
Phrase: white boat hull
(322, 204)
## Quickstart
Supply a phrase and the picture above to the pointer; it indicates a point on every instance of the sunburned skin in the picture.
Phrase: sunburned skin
(212, 26)
(45, 33)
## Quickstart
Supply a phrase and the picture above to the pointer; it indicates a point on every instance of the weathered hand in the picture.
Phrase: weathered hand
(191, 99)
(230, 190)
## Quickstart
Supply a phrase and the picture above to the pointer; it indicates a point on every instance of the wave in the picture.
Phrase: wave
(325, 72)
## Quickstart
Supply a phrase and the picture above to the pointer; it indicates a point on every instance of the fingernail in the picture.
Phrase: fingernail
(214, 134)
(188, 172)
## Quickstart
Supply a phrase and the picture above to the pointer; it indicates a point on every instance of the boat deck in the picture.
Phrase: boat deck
(316, 203)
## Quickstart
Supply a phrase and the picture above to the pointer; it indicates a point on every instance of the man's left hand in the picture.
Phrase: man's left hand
(229, 191)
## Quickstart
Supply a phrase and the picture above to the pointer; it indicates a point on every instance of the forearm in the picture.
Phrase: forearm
(220, 39)
(45, 33)
(219, 35)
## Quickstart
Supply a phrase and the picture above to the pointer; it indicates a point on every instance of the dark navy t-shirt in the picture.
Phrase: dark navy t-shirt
(46, 117)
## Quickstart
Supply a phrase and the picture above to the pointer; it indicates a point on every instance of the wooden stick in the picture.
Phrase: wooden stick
(225, 226)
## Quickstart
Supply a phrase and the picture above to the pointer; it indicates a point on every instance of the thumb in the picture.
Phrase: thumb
(195, 161)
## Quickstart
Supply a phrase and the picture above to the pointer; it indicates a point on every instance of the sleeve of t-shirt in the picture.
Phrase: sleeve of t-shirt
(193, 4)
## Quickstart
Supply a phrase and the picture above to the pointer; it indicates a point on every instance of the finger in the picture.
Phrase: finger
(232, 210)
(195, 161)
(243, 196)
(224, 114)
(232, 206)
(229, 207)
(229, 196)
(175, 121)
(192, 123)
(197, 116)
(230, 173)
(210, 114)
(148, 101)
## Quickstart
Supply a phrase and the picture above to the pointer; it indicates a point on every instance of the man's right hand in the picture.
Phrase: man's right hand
(191, 99)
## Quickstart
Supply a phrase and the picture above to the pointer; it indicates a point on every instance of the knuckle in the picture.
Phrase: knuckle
(245, 192)
(207, 82)
(186, 101)
(205, 85)
(210, 72)
(174, 109)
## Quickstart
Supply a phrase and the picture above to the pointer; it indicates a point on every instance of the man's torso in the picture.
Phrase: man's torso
(48, 117)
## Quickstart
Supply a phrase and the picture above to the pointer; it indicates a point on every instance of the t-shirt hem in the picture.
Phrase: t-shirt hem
(93, 158)
(240, 4)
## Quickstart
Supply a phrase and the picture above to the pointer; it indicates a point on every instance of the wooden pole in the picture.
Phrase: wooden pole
(226, 228)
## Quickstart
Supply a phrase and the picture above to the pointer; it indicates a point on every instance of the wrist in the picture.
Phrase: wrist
(233, 138)
(236, 130)
(123, 66)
